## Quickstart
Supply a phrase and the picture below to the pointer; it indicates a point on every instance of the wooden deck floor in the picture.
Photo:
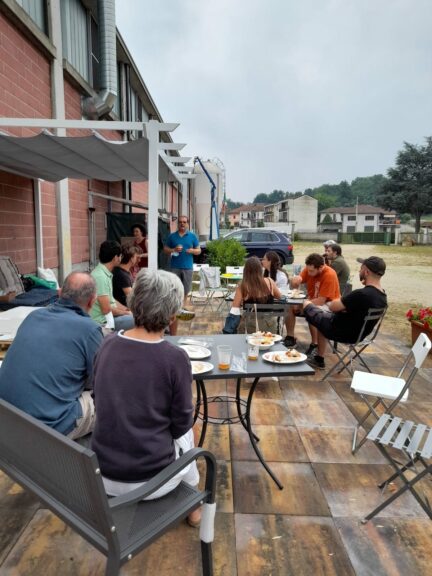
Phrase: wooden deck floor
(311, 527)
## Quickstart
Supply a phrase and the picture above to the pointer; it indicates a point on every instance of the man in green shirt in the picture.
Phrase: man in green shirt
(336, 261)
(106, 310)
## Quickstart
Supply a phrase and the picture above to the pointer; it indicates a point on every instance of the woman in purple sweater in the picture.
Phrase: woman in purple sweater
(143, 394)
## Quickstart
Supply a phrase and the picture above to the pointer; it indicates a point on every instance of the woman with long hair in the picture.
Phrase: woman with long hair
(254, 288)
(273, 269)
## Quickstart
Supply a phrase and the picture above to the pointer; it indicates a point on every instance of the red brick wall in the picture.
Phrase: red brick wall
(24, 91)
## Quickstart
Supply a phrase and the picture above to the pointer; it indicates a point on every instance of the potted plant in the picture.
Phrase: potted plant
(421, 321)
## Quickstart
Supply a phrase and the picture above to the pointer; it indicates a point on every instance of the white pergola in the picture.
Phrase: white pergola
(54, 157)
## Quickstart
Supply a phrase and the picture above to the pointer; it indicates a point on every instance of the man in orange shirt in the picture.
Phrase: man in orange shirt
(322, 286)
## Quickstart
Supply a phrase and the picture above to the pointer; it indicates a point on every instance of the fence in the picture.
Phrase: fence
(411, 239)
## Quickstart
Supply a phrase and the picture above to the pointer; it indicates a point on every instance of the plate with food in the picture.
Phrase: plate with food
(196, 352)
(261, 343)
(290, 356)
(297, 294)
(201, 367)
(267, 335)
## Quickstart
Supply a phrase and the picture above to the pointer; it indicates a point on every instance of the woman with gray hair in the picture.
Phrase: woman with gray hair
(143, 394)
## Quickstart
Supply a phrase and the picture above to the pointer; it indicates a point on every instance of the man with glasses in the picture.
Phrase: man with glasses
(182, 246)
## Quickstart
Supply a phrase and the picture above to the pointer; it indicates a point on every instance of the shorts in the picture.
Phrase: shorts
(321, 319)
(85, 424)
(185, 275)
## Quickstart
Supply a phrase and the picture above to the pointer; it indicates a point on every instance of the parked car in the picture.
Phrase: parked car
(257, 242)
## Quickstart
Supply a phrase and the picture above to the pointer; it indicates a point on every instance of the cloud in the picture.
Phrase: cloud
(288, 95)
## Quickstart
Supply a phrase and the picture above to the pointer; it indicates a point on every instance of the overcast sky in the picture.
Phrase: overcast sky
(288, 94)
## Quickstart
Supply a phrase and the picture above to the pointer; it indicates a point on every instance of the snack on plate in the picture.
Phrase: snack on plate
(292, 353)
(261, 341)
(262, 334)
(286, 356)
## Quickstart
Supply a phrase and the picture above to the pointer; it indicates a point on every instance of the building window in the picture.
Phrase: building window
(369, 229)
(76, 34)
(36, 9)
(370, 217)
(351, 229)
(351, 218)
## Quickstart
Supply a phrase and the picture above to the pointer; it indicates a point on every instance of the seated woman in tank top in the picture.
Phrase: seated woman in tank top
(256, 289)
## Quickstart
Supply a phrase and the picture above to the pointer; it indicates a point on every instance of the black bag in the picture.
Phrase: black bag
(232, 322)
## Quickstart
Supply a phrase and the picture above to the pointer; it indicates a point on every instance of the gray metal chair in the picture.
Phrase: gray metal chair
(415, 442)
(66, 477)
(256, 313)
(388, 391)
(353, 351)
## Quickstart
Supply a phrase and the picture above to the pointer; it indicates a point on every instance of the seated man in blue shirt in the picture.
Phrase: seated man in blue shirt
(182, 246)
(46, 368)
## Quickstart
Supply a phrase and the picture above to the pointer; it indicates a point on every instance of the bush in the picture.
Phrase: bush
(225, 253)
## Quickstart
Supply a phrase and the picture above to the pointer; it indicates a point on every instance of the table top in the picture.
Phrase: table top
(231, 276)
(254, 368)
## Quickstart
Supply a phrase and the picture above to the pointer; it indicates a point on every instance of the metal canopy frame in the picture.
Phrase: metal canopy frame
(156, 151)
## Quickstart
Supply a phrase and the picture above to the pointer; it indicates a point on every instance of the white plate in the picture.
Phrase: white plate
(196, 352)
(298, 297)
(276, 337)
(270, 357)
(201, 367)
(257, 342)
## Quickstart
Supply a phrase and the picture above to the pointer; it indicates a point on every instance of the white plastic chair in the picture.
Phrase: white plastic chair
(196, 282)
(392, 388)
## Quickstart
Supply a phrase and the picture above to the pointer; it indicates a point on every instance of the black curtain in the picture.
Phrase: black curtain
(120, 224)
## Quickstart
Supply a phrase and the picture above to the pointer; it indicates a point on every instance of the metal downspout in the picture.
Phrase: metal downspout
(96, 106)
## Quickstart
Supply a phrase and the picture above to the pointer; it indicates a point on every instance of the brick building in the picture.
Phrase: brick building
(52, 65)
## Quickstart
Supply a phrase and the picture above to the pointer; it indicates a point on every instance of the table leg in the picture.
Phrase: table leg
(240, 414)
(201, 391)
(252, 436)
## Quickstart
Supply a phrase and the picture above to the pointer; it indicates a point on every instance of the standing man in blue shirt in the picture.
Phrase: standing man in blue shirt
(182, 246)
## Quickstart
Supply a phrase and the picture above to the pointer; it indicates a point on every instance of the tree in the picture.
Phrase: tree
(366, 189)
(231, 205)
(409, 184)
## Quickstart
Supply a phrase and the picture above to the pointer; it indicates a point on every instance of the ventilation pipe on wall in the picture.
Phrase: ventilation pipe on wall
(96, 106)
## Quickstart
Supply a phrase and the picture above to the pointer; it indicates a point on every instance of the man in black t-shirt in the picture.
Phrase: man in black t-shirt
(345, 320)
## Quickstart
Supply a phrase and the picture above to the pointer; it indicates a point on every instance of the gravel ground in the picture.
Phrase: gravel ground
(407, 281)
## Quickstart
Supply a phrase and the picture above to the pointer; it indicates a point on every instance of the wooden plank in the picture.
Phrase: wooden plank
(285, 545)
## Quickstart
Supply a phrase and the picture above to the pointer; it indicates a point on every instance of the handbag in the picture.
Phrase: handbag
(232, 322)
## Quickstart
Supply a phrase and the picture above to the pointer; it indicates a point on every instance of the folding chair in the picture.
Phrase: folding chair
(231, 286)
(415, 442)
(196, 282)
(353, 351)
(259, 312)
(210, 284)
(395, 389)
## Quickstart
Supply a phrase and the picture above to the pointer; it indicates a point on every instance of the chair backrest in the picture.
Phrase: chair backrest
(210, 277)
(60, 472)
(421, 349)
(234, 269)
(197, 267)
(375, 316)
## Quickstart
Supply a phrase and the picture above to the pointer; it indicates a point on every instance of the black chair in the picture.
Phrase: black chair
(256, 312)
(66, 477)
(415, 442)
(353, 351)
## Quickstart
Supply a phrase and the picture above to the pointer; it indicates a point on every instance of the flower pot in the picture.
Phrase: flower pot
(417, 328)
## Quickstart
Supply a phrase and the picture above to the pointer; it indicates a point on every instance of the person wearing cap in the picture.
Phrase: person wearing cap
(346, 317)
(333, 253)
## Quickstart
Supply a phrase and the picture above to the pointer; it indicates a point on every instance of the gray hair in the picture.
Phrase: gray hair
(79, 287)
(156, 297)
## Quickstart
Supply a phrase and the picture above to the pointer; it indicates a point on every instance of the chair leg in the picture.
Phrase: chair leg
(112, 567)
(207, 558)
(371, 410)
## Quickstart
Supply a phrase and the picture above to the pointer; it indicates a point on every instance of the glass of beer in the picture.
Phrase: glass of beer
(224, 356)
(252, 351)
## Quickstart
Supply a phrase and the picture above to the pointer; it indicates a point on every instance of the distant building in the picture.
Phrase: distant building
(361, 218)
(299, 214)
(247, 216)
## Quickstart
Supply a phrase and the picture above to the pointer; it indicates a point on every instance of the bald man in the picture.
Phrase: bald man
(46, 368)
